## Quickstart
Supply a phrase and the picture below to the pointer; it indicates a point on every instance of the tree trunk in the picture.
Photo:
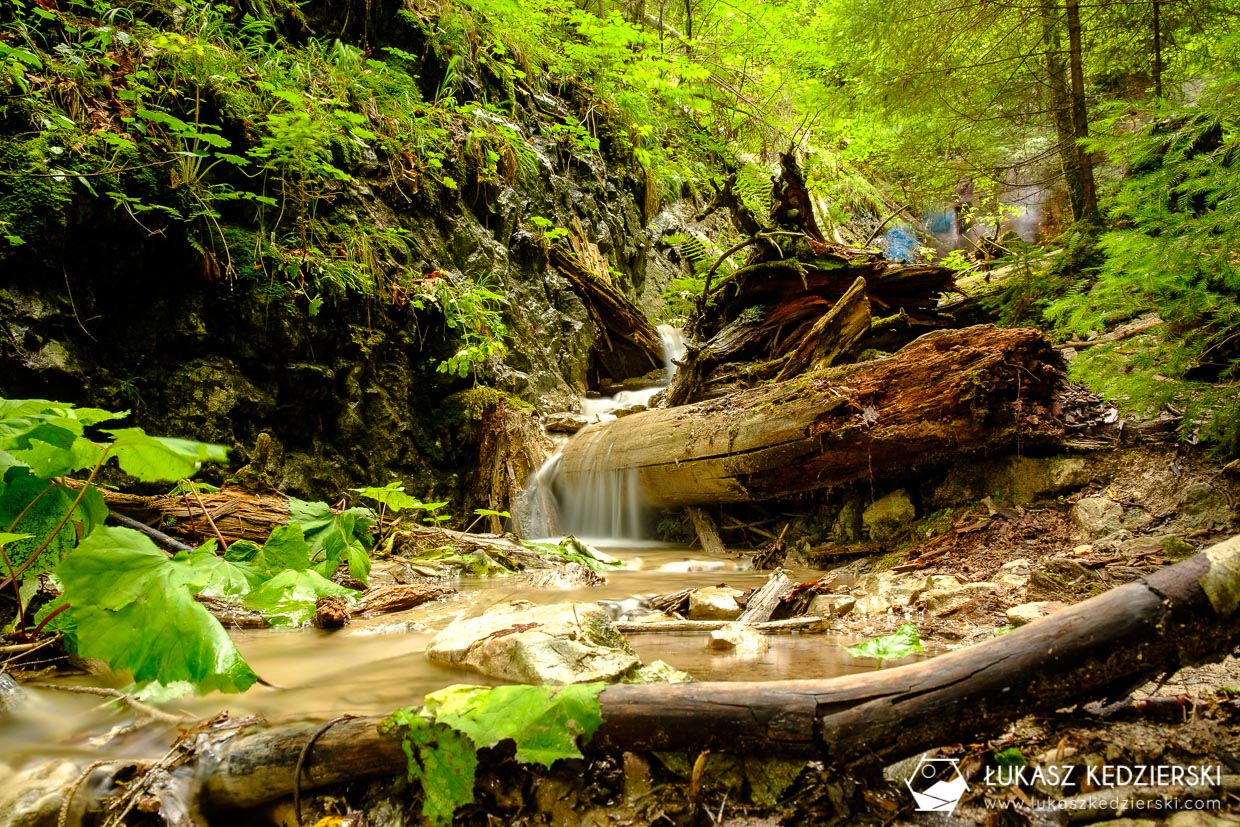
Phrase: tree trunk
(1060, 104)
(1080, 113)
(948, 392)
(1102, 647)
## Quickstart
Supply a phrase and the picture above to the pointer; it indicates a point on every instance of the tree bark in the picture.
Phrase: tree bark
(626, 343)
(948, 392)
(1103, 647)
(1080, 114)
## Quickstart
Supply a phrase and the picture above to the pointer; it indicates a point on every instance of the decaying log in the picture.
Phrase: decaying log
(834, 333)
(1182, 615)
(626, 343)
(239, 513)
(511, 447)
(707, 532)
(948, 393)
(766, 599)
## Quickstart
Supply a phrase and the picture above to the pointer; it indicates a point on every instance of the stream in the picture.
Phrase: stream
(375, 665)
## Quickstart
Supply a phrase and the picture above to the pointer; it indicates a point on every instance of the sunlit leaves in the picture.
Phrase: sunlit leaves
(134, 608)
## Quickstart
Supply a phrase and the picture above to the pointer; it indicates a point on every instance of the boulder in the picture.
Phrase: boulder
(738, 638)
(831, 605)
(889, 518)
(559, 643)
(1097, 516)
(715, 603)
(951, 600)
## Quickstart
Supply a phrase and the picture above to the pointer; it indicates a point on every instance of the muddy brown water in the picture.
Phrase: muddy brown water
(376, 665)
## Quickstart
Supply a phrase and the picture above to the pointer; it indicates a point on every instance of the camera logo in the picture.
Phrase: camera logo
(936, 784)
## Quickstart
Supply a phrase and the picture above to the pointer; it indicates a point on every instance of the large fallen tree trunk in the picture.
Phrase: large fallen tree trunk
(947, 393)
(1103, 647)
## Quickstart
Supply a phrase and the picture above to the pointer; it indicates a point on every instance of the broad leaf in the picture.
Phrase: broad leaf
(543, 721)
(152, 458)
(441, 759)
(134, 608)
(288, 599)
(286, 548)
(222, 577)
(392, 496)
(22, 488)
(901, 643)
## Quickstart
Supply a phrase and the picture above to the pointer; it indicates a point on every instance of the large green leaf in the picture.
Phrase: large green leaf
(152, 458)
(543, 721)
(341, 538)
(441, 759)
(222, 577)
(288, 599)
(21, 489)
(134, 608)
(903, 642)
(286, 548)
(46, 437)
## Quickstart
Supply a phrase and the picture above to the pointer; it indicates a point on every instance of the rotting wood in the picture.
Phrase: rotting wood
(239, 513)
(626, 343)
(950, 392)
(834, 333)
(511, 447)
(1103, 647)
(766, 599)
(707, 532)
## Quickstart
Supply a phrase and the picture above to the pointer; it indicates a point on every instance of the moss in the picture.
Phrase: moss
(475, 402)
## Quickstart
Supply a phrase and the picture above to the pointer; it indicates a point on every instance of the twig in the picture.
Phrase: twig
(18, 648)
(881, 224)
(765, 235)
(137, 706)
(169, 543)
(193, 490)
(62, 817)
(301, 762)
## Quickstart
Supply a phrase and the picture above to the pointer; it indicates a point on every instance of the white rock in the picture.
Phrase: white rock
(739, 638)
(1029, 612)
(558, 643)
(714, 603)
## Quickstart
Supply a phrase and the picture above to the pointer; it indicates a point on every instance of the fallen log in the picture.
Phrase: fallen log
(1103, 647)
(948, 393)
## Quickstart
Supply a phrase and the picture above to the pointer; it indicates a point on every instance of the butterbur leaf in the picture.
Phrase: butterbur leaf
(40, 516)
(441, 759)
(543, 721)
(288, 598)
(286, 548)
(392, 496)
(135, 609)
(151, 458)
(241, 551)
(223, 577)
(903, 642)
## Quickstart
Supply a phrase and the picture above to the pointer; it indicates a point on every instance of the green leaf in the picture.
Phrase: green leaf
(288, 598)
(286, 548)
(152, 458)
(442, 760)
(543, 721)
(134, 608)
(6, 537)
(1011, 757)
(47, 506)
(901, 643)
(223, 578)
(392, 496)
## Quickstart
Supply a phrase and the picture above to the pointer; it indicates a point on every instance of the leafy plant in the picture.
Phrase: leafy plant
(441, 739)
(900, 644)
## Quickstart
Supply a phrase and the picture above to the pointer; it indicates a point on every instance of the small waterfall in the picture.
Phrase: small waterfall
(608, 504)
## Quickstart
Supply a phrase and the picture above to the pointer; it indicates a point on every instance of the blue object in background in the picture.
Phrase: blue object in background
(900, 244)
(941, 222)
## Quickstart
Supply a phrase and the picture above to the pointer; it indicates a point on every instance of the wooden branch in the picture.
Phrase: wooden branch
(1182, 615)
(707, 532)
(834, 333)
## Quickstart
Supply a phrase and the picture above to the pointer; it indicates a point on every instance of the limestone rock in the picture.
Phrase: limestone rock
(1029, 612)
(889, 518)
(1097, 516)
(1202, 505)
(738, 638)
(1018, 480)
(872, 605)
(1014, 575)
(831, 605)
(563, 422)
(951, 600)
(518, 641)
(714, 603)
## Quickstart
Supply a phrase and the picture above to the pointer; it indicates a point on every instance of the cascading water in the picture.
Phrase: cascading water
(608, 504)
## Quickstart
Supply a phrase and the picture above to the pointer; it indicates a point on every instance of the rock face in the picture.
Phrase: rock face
(346, 384)
(559, 643)
(1097, 516)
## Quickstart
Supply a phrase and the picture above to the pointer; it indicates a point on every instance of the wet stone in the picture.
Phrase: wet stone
(714, 603)
(738, 638)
